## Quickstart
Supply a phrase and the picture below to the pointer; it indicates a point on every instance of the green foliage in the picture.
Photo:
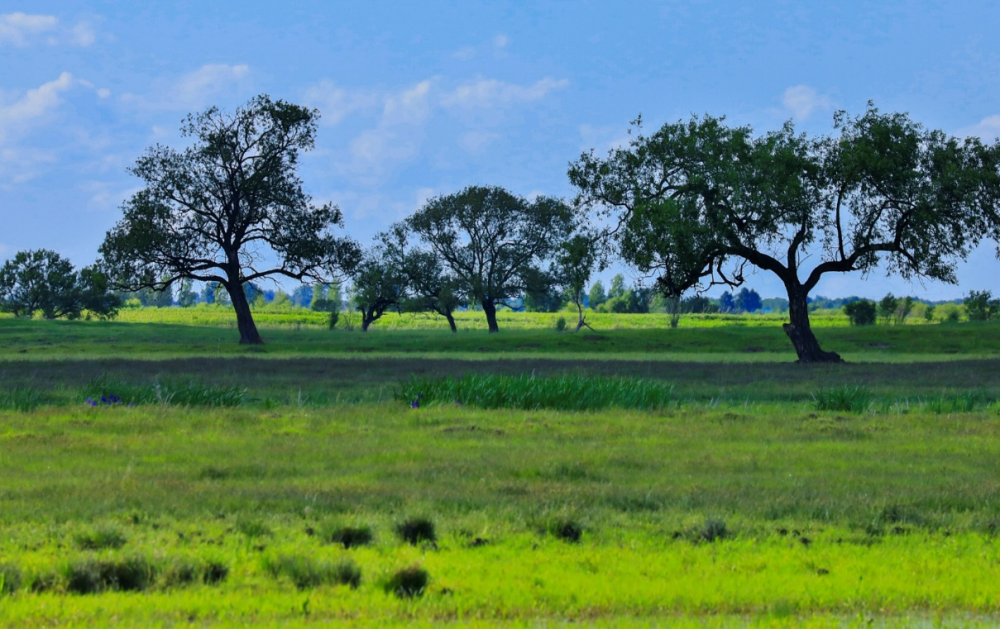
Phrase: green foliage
(42, 280)
(597, 296)
(561, 324)
(887, 308)
(530, 392)
(712, 530)
(234, 188)
(980, 306)
(309, 572)
(416, 531)
(10, 578)
(567, 530)
(408, 582)
(491, 240)
(861, 312)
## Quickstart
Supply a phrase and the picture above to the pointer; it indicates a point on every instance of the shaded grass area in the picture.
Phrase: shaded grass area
(96, 339)
(318, 382)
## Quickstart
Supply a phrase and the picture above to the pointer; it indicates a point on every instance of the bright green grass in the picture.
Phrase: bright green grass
(830, 518)
(34, 340)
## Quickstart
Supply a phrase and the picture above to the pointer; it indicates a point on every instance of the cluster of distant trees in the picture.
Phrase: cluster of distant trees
(691, 205)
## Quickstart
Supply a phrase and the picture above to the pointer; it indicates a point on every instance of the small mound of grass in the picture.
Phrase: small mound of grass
(570, 392)
(10, 578)
(712, 530)
(347, 536)
(416, 530)
(567, 530)
(21, 399)
(182, 571)
(843, 399)
(252, 528)
(100, 538)
(91, 575)
(408, 582)
(307, 572)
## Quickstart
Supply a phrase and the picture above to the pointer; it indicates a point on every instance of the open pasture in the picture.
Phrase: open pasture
(296, 485)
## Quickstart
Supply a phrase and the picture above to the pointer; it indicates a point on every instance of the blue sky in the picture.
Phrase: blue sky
(424, 98)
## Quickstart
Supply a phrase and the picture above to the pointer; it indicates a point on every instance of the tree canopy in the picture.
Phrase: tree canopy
(42, 280)
(229, 209)
(698, 201)
(493, 242)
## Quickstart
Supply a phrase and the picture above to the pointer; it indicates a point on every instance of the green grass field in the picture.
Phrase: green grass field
(702, 484)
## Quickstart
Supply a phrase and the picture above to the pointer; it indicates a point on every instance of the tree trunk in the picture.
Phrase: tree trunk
(451, 322)
(491, 315)
(800, 332)
(366, 320)
(244, 319)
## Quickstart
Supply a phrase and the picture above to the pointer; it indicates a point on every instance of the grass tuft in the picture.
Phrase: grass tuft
(567, 530)
(10, 578)
(845, 399)
(416, 530)
(347, 536)
(712, 530)
(408, 582)
(100, 538)
(91, 576)
(21, 399)
(177, 393)
(569, 392)
(307, 572)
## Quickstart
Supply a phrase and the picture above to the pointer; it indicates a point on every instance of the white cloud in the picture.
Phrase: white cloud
(487, 93)
(36, 103)
(336, 103)
(500, 41)
(801, 101)
(106, 196)
(194, 90)
(988, 128)
(410, 106)
(22, 29)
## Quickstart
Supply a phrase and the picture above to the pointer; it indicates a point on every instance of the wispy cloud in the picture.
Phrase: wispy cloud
(194, 90)
(488, 93)
(802, 101)
(22, 29)
(36, 103)
(336, 103)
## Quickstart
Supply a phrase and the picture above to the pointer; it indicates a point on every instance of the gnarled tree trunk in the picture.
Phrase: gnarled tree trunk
(491, 315)
(800, 332)
(244, 318)
(451, 322)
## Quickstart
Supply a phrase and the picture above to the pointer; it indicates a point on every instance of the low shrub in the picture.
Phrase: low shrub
(90, 575)
(566, 530)
(712, 530)
(561, 324)
(408, 582)
(416, 530)
(347, 536)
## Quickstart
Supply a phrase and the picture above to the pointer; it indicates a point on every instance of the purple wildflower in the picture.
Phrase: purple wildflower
(415, 404)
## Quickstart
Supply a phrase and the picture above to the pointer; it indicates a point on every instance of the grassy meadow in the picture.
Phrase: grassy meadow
(155, 473)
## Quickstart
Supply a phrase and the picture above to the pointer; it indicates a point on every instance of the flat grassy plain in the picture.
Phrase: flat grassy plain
(757, 492)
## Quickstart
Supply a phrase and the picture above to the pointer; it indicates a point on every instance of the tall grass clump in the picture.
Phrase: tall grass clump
(960, 403)
(408, 582)
(346, 536)
(10, 578)
(416, 530)
(177, 393)
(308, 572)
(91, 575)
(100, 538)
(845, 399)
(530, 392)
(21, 399)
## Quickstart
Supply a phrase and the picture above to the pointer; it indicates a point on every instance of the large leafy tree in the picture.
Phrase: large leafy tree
(229, 209)
(698, 201)
(492, 241)
(430, 286)
(42, 280)
(379, 286)
(575, 263)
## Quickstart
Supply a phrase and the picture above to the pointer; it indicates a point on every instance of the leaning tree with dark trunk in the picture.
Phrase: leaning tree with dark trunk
(697, 202)
(229, 209)
(492, 241)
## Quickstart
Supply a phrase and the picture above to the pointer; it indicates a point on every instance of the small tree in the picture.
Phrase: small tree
(727, 303)
(617, 286)
(903, 310)
(378, 286)
(699, 201)
(861, 312)
(887, 308)
(597, 296)
(748, 300)
(491, 240)
(575, 263)
(980, 306)
(224, 208)
(42, 280)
